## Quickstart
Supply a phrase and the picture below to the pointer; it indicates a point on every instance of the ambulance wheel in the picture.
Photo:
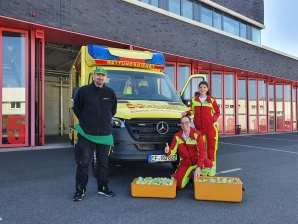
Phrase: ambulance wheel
(175, 164)
(74, 147)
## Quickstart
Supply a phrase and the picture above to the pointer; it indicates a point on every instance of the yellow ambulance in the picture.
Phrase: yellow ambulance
(148, 106)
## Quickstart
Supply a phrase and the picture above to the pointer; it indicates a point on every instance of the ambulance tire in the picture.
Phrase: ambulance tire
(175, 163)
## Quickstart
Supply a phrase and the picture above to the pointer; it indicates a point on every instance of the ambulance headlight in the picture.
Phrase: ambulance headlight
(117, 123)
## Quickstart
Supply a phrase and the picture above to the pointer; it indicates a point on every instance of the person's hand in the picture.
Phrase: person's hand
(197, 172)
(167, 148)
(184, 113)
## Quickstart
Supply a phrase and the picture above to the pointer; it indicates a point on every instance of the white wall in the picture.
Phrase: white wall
(9, 95)
(52, 104)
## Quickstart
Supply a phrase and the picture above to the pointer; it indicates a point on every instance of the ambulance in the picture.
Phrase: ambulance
(149, 108)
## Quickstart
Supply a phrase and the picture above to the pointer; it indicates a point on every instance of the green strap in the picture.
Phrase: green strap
(103, 140)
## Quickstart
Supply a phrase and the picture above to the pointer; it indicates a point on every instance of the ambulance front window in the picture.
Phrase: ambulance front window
(164, 88)
(132, 85)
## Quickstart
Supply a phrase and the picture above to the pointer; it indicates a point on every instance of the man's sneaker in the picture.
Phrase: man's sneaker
(103, 190)
(78, 196)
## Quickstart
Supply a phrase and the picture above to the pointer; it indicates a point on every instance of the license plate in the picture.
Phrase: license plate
(161, 158)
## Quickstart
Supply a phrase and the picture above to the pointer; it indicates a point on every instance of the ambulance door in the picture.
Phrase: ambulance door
(190, 89)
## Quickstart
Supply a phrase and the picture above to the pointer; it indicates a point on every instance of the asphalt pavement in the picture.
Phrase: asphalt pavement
(37, 186)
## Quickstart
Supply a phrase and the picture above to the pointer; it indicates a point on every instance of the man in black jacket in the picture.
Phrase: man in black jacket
(94, 105)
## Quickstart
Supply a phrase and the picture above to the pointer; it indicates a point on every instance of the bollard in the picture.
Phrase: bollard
(238, 129)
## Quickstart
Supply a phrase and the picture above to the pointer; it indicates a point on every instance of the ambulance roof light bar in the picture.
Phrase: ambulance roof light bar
(157, 59)
(103, 53)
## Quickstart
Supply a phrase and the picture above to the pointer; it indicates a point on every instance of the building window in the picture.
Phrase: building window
(187, 9)
(183, 74)
(206, 16)
(151, 2)
(217, 21)
(154, 3)
(210, 16)
(174, 6)
(230, 25)
(255, 35)
(243, 30)
(15, 105)
(170, 71)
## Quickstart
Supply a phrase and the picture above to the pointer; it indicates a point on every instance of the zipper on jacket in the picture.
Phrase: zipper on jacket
(189, 154)
(201, 115)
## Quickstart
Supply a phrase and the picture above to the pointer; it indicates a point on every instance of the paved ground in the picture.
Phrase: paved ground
(36, 186)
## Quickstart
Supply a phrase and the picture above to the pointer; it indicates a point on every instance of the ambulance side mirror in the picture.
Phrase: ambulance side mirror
(186, 102)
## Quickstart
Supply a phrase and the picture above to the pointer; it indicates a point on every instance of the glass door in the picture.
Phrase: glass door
(252, 106)
(271, 105)
(287, 108)
(262, 108)
(216, 92)
(14, 82)
(294, 93)
(242, 105)
(279, 107)
(229, 104)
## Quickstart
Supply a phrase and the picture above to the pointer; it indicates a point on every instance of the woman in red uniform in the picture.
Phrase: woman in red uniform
(192, 152)
(206, 112)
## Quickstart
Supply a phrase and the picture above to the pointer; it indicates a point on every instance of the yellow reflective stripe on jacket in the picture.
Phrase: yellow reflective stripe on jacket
(178, 141)
(204, 104)
(190, 141)
(213, 111)
(198, 104)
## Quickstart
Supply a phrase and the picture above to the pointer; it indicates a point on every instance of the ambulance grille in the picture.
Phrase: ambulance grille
(146, 130)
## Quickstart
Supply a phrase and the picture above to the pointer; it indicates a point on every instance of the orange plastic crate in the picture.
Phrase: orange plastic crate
(153, 191)
(218, 191)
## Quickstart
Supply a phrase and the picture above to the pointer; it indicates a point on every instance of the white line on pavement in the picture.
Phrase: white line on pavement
(288, 133)
(1, 219)
(256, 147)
(229, 171)
(273, 138)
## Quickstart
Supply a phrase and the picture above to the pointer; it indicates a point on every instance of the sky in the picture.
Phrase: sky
(281, 26)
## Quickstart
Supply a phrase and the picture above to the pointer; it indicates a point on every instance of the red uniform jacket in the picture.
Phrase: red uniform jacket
(192, 152)
(206, 113)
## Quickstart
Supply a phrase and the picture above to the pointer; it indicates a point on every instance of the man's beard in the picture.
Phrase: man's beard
(99, 83)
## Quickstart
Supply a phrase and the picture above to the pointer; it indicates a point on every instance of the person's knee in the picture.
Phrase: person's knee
(208, 163)
(82, 165)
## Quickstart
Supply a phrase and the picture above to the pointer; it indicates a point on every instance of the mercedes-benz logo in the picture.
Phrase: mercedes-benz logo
(162, 127)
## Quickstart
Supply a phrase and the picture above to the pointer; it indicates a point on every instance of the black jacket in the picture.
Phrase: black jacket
(95, 107)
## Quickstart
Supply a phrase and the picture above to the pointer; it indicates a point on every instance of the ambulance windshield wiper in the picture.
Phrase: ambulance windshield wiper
(160, 100)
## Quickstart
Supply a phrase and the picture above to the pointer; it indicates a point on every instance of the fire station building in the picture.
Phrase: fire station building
(255, 86)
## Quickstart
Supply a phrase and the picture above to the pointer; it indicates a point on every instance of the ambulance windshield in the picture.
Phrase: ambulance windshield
(141, 86)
